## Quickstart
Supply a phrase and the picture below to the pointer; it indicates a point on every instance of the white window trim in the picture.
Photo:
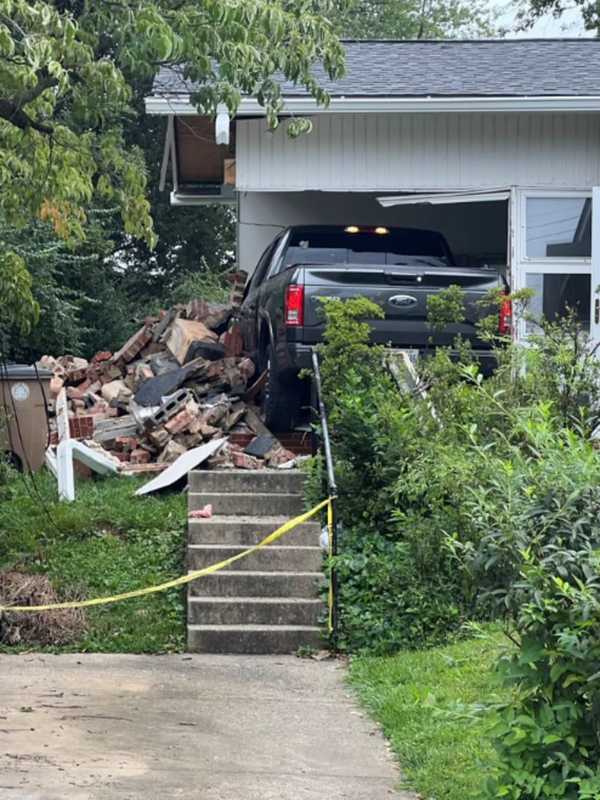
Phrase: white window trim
(523, 264)
(546, 263)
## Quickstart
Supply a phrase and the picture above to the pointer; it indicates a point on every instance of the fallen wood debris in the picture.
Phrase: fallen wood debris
(180, 382)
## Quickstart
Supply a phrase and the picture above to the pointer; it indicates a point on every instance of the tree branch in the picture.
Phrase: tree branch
(12, 113)
(44, 81)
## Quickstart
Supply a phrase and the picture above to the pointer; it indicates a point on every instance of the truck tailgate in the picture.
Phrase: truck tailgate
(402, 293)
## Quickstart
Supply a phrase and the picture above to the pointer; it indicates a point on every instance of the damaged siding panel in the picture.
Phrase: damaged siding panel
(379, 152)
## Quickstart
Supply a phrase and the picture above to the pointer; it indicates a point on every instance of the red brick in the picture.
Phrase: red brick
(233, 342)
(56, 384)
(126, 443)
(77, 392)
(180, 421)
(103, 355)
(246, 368)
(278, 455)
(198, 310)
(82, 427)
(123, 457)
(133, 346)
(77, 375)
(140, 456)
(244, 461)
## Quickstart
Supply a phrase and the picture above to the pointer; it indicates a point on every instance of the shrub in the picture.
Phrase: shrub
(400, 584)
(537, 560)
(489, 507)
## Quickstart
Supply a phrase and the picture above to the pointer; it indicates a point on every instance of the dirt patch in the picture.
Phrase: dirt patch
(39, 628)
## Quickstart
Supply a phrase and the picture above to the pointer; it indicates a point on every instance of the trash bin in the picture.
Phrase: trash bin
(23, 415)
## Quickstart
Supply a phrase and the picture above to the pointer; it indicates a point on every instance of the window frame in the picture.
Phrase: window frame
(554, 264)
(544, 265)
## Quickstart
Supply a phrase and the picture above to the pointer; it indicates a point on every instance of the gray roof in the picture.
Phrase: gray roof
(454, 68)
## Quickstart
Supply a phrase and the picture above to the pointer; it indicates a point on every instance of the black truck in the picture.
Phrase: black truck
(398, 268)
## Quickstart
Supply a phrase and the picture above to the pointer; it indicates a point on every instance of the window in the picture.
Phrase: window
(399, 246)
(558, 227)
(558, 293)
(553, 255)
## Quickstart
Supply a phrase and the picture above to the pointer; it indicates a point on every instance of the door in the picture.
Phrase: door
(553, 251)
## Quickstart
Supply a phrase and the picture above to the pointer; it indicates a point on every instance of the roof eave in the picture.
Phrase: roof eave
(180, 105)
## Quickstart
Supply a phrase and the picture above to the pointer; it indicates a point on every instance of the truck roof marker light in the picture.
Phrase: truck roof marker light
(381, 231)
(352, 229)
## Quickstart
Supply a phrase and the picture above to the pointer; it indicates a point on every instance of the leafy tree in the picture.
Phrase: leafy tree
(532, 10)
(418, 19)
(66, 97)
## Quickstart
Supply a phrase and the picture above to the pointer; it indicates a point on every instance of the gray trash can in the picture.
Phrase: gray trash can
(23, 415)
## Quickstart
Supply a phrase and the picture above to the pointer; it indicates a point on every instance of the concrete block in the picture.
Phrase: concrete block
(257, 504)
(274, 558)
(252, 639)
(228, 583)
(272, 481)
(246, 531)
(255, 611)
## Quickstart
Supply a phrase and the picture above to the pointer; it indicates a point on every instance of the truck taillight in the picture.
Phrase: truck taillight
(293, 314)
(505, 318)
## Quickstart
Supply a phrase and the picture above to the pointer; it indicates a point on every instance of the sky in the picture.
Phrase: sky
(569, 23)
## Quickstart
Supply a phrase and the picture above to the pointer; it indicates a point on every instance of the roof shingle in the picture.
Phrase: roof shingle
(453, 68)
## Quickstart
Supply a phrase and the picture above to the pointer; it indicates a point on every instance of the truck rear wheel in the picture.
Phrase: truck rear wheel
(281, 399)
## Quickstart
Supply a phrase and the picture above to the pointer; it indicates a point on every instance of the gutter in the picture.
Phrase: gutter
(179, 104)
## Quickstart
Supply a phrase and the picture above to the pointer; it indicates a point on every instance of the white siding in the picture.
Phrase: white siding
(396, 152)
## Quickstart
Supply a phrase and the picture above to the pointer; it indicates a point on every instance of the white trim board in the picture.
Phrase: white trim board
(444, 198)
(181, 105)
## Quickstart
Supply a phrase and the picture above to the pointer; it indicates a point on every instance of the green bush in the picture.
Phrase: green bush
(537, 560)
(401, 584)
(488, 508)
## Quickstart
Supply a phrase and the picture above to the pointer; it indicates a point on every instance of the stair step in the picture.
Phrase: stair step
(246, 531)
(227, 583)
(268, 559)
(245, 481)
(254, 611)
(257, 504)
(252, 639)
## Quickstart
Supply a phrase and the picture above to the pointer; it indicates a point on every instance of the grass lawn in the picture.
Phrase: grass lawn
(107, 541)
(441, 757)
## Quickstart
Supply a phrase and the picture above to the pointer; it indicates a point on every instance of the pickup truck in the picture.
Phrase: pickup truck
(398, 268)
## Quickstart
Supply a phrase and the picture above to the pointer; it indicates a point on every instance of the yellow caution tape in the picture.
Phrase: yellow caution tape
(191, 576)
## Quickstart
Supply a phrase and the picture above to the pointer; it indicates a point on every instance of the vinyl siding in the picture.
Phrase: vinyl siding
(421, 152)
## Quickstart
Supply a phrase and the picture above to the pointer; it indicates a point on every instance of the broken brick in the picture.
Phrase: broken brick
(56, 384)
(126, 443)
(140, 456)
(179, 422)
(245, 461)
(171, 452)
(232, 341)
(103, 355)
(133, 346)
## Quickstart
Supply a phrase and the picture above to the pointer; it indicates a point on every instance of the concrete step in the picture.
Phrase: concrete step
(246, 531)
(226, 583)
(259, 504)
(268, 559)
(252, 639)
(254, 611)
(247, 481)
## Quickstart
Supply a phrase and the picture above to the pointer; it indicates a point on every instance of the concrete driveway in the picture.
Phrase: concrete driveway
(106, 727)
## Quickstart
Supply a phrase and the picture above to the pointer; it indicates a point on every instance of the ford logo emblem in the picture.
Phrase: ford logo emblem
(403, 301)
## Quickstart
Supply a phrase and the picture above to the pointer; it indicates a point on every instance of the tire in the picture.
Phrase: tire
(280, 399)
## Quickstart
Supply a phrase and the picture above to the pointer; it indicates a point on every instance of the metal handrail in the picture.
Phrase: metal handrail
(331, 488)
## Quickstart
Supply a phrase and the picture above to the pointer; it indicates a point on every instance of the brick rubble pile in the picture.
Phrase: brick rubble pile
(180, 381)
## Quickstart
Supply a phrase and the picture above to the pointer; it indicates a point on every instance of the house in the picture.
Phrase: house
(494, 143)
